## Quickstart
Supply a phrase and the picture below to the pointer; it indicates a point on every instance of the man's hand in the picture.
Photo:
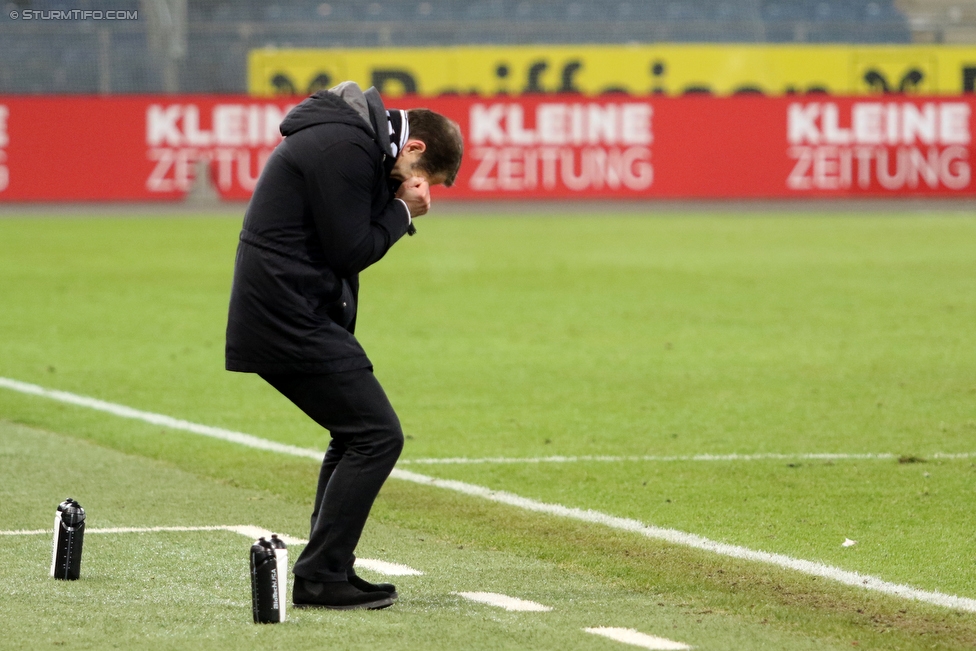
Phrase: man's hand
(415, 192)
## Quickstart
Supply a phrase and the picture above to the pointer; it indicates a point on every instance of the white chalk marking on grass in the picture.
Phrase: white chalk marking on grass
(624, 524)
(36, 532)
(769, 456)
(243, 529)
(254, 533)
(25, 532)
(636, 638)
(159, 419)
(246, 530)
(384, 567)
(504, 601)
(676, 537)
(283, 448)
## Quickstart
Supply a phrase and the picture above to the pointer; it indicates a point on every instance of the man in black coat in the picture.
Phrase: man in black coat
(336, 194)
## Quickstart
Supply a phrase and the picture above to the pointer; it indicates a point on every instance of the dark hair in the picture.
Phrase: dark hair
(443, 139)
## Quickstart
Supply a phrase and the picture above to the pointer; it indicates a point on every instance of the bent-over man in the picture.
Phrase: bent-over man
(340, 189)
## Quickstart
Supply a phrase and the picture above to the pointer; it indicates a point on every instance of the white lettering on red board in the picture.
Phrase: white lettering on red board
(229, 125)
(4, 135)
(579, 147)
(4, 141)
(895, 145)
(174, 169)
(236, 139)
(593, 168)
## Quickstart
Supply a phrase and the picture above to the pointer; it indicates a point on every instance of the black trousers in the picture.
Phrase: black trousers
(366, 443)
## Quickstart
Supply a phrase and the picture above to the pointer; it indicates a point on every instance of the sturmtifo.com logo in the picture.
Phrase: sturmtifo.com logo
(74, 14)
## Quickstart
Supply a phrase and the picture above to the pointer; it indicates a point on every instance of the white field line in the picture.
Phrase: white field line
(624, 524)
(159, 419)
(252, 532)
(246, 530)
(636, 638)
(698, 542)
(37, 532)
(387, 568)
(800, 456)
(504, 601)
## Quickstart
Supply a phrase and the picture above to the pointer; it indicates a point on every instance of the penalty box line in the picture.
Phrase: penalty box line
(672, 536)
(247, 530)
(244, 529)
(762, 456)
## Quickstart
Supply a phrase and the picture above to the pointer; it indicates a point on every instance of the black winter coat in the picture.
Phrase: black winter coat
(322, 211)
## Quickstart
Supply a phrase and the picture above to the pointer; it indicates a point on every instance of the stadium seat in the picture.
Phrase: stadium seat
(221, 32)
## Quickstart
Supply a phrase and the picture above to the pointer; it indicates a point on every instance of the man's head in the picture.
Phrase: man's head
(433, 149)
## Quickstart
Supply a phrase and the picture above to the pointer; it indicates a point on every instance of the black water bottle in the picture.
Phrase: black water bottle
(69, 535)
(281, 559)
(266, 601)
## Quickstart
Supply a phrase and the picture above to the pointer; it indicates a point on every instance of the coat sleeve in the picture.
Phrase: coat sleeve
(340, 183)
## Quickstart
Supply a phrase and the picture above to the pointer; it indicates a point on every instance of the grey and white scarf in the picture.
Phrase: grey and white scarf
(399, 130)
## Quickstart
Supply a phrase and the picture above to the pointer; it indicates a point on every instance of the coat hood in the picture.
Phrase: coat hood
(324, 107)
(343, 104)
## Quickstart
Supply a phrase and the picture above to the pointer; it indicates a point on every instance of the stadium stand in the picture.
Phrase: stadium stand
(201, 45)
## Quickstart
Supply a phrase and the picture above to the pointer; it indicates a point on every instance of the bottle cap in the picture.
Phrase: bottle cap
(277, 542)
(72, 514)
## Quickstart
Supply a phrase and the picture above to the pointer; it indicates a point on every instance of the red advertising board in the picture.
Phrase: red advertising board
(562, 147)
(133, 148)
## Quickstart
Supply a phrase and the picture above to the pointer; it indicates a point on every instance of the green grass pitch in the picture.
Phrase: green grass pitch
(522, 338)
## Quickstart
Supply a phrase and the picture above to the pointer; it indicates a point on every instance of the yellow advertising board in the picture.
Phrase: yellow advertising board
(635, 69)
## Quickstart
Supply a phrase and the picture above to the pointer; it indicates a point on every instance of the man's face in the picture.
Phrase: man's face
(406, 164)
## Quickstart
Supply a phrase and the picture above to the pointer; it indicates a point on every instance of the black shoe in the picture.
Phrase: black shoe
(337, 595)
(366, 586)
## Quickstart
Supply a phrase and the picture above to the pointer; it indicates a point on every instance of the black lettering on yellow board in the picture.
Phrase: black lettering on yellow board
(321, 81)
(876, 81)
(382, 78)
(894, 72)
(969, 79)
(909, 82)
(282, 84)
(533, 85)
(401, 82)
(884, 76)
(568, 84)
(388, 81)
(502, 69)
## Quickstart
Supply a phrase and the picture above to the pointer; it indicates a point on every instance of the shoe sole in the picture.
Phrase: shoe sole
(379, 604)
